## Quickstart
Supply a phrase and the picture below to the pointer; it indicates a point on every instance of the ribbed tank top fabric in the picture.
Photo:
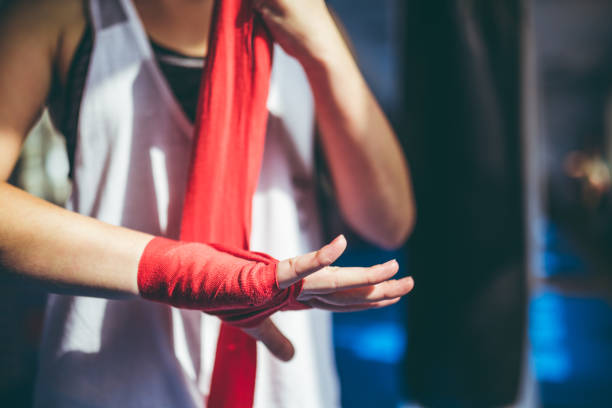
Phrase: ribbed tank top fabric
(183, 74)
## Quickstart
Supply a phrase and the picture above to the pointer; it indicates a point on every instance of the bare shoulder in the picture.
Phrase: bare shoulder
(52, 27)
(37, 40)
(38, 16)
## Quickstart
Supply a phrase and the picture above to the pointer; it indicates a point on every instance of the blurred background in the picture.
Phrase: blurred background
(504, 109)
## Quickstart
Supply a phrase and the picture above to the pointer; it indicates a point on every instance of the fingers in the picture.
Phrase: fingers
(384, 291)
(333, 279)
(320, 304)
(292, 270)
(273, 339)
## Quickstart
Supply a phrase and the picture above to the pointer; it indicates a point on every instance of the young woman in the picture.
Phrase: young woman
(121, 81)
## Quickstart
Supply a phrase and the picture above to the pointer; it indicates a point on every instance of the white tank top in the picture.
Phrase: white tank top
(130, 169)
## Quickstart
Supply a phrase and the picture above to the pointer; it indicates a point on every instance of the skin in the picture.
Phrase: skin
(71, 253)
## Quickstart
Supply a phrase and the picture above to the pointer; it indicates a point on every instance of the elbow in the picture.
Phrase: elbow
(387, 227)
(398, 219)
(388, 230)
(399, 230)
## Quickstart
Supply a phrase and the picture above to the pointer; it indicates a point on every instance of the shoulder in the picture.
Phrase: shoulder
(52, 27)
(39, 16)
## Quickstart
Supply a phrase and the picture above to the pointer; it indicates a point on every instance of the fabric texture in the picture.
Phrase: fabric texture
(182, 73)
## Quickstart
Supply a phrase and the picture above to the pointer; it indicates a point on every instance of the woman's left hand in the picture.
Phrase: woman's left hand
(304, 28)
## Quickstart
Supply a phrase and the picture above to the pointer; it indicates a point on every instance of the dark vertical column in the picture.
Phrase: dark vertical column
(467, 313)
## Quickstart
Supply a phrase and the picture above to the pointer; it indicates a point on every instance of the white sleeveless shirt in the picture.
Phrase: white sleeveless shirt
(130, 169)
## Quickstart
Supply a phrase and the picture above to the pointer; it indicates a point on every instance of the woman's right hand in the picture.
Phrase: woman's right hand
(333, 288)
(342, 289)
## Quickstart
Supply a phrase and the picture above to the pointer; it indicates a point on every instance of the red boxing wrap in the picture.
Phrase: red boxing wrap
(227, 152)
(237, 285)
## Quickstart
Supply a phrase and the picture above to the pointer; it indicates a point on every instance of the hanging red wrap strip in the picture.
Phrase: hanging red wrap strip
(227, 154)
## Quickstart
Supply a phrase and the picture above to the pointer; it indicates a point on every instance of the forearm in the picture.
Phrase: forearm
(66, 252)
(369, 171)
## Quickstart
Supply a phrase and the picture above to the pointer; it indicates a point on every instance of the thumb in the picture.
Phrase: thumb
(273, 339)
(295, 269)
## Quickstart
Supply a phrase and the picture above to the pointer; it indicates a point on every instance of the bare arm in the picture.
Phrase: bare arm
(67, 252)
(370, 174)
(61, 250)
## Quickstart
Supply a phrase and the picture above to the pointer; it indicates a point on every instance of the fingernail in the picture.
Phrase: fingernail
(288, 353)
(393, 261)
(339, 238)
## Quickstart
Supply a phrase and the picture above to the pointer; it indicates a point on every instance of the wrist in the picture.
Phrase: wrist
(322, 43)
(323, 52)
(237, 285)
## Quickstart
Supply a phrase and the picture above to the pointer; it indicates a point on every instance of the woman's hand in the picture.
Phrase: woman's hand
(342, 289)
(331, 288)
(304, 28)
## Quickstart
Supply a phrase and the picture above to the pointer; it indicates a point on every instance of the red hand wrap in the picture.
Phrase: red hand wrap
(237, 285)
(227, 153)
